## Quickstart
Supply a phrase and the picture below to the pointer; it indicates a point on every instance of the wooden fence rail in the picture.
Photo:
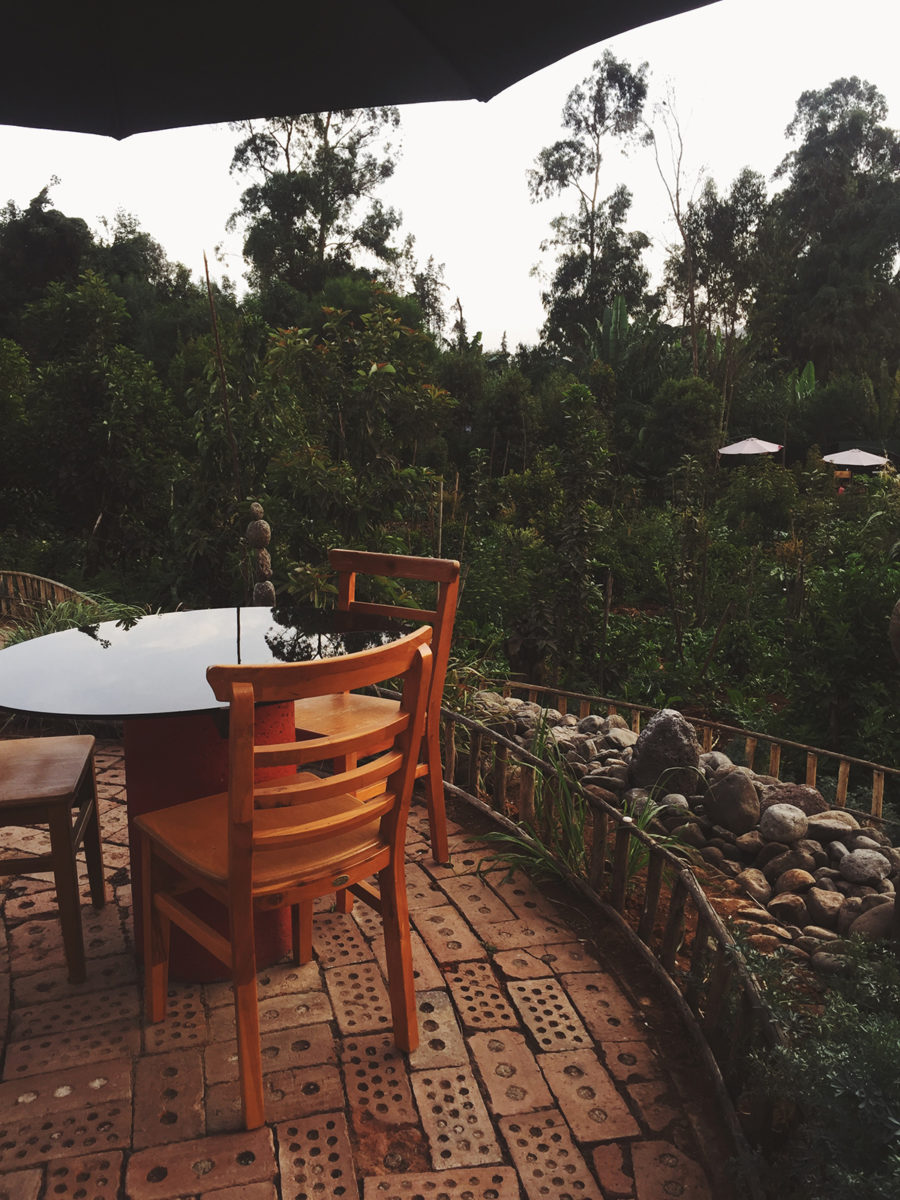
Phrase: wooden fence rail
(645, 889)
(713, 733)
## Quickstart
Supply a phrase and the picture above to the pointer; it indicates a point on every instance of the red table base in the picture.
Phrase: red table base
(169, 760)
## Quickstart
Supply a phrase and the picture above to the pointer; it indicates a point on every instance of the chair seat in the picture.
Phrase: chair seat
(197, 833)
(36, 771)
(345, 713)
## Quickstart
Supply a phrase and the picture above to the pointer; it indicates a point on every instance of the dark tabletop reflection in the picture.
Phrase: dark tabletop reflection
(157, 664)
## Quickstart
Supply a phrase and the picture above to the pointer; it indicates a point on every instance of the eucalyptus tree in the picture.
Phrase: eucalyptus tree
(830, 291)
(310, 211)
(596, 258)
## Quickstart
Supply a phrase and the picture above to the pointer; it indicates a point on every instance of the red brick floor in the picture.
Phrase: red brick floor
(539, 1075)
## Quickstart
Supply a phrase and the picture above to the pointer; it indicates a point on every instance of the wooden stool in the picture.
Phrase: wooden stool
(41, 781)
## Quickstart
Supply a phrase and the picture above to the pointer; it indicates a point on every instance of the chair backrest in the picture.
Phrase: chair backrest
(441, 571)
(275, 813)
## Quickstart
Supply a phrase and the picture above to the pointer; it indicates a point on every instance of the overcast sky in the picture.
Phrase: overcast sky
(737, 68)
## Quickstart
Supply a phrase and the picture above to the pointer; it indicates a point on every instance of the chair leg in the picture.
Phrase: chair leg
(93, 845)
(398, 950)
(156, 930)
(246, 1017)
(301, 932)
(65, 876)
(437, 811)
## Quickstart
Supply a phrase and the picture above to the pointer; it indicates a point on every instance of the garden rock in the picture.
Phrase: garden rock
(831, 824)
(794, 880)
(755, 884)
(783, 823)
(666, 749)
(823, 906)
(801, 795)
(732, 801)
(865, 866)
(875, 923)
(789, 908)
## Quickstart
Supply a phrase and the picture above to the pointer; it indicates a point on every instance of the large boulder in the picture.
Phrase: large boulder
(732, 801)
(801, 795)
(667, 751)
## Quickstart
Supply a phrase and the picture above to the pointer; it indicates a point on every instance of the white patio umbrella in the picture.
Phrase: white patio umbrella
(750, 445)
(855, 458)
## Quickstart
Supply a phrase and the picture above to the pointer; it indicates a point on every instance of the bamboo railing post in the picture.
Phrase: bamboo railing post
(774, 759)
(877, 793)
(699, 952)
(674, 931)
(812, 768)
(526, 796)
(620, 864)
(501, 760)
(843, 779)
(474, 762)
(599, 850)
(450, 751)
(651, 897)
(750, 751)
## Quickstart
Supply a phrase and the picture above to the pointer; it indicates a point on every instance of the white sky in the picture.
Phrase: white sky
(737, 69)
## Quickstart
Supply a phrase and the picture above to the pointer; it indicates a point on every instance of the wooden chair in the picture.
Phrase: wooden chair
(42, 780)
(287, 840)
(347, 711)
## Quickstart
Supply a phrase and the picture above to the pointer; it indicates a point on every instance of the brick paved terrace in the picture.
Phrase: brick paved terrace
(547, 1068)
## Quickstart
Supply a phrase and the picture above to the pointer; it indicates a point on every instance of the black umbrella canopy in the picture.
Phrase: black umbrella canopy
(117, 67)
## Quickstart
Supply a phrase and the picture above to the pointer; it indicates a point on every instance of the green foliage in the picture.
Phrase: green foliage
(839, 1070)
(83, 613)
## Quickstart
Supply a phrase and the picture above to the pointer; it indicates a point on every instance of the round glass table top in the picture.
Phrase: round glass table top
(156, 666)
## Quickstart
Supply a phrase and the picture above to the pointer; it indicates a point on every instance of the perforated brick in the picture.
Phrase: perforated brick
(359, 997)
(467, 1183)
(547, 1011)
(529, 932)
(316, 1160)
(478, 997)
(657, 1105)
(447, 935)
(73, 1012)
(510, 1072)
(39, 1135)
(377, 1082)
(421, 889)
(65, 1090)
(292, 1010)
(633, 1062)
(22, 1185)
(549, 1163)
(278, 980)
(186, 1168)
(337, 940)
(440, 1040)
(303, 1046)
(104, 974)
(607, 1012)
(454, 1118)
(520, 964)
(661, 1169)
(37, 945)
(426, 975)
(99, 1043)
(565, 957)
(478, 901)
(168, 1098)
(519, 892)
(588, 1097)
(467, 855)
(611, 1166)
(185, 1025)
(97, 1176)
(288, 1094)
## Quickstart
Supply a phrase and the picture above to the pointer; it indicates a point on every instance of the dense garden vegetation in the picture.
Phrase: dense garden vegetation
(577, 479)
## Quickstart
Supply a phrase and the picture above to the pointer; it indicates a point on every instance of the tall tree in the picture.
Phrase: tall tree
(596, 258)
(831, 292)
(310, 211)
